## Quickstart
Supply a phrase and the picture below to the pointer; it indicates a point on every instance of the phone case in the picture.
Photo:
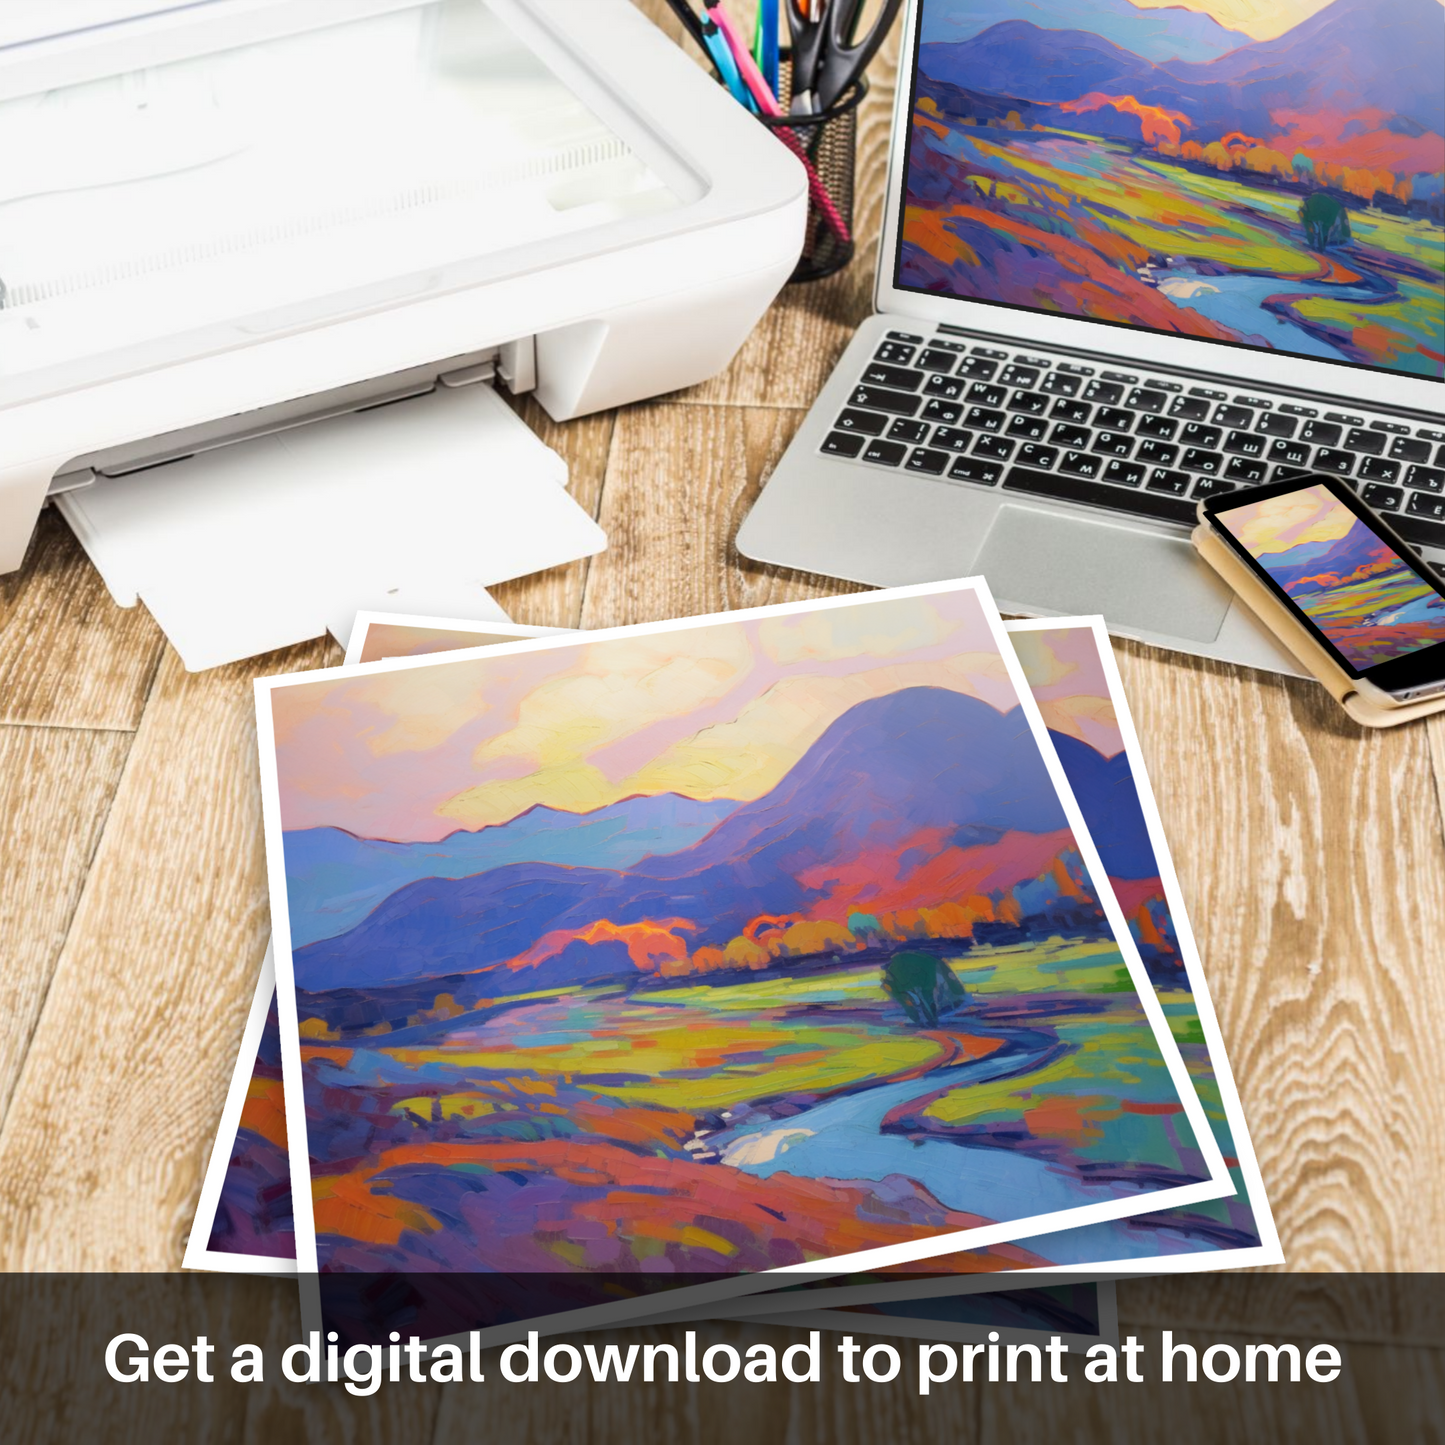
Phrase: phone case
(1296, 637)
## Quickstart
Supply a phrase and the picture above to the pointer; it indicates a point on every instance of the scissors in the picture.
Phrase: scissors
(828, 56)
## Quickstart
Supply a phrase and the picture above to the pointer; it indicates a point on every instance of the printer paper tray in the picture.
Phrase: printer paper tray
(417, 506)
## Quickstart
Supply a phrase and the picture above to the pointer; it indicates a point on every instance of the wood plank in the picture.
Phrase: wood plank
(554, 598)
(69, 657)
(116, 1104)
(1380, 1391)
(705, 1413)
(56, 786)
(679, 482)
(1312, 861)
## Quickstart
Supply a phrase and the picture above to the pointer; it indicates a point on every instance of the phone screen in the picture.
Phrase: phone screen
(1367, 598)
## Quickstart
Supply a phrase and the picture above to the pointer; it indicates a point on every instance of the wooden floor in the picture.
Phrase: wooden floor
(133, 907)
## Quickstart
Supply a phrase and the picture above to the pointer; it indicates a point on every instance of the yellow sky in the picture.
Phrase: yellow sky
(1316, 515)
(1259, 19)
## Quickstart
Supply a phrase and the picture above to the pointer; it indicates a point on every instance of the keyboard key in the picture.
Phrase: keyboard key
(1057, 383)
(1423, 505)
(984, 420)
(1372, 443)
(1272, 424)
(1016, 375)
(1427, 479)
(1233, 416)
(1126, 474)
(1382, 499)
(1255, 401)
(1418, 531)
(1031, 428)
(1211, 487)
(886, 454)
(1196, 459)
(1101, 494)
(1289, 474)
(1143, 399)
(1071, 436)
(1112, 444)
(977, 368)
(1292, 454)
(843, 444)
(971, 469)
(1127, 377)
(989, 351)
(1035, 403)
(1244, 444)
(1209, 395)
(1036, 456)
(948, 387)
(1189, 408)
(1156, 426)
(1332, 459)
(1377, 469)
(1114, 418)
(867, 422)
(936, 409)
(1321, 433)
(996, 447)
(877, 374)
(1195, 435)
(935, 360)
(923, 459)
(1344, 418)
(1075, 411)
(957, 347)
(1154, 453)
(1107, 392)
(1161, 479)
(1293, 410)
(1429, 434)
(1440, 457)
(904, 430)
(1245, 469)
(895, 353)
(905, 336)
(982, 394)
(877, 398)
(1081, 464)
(954, 438)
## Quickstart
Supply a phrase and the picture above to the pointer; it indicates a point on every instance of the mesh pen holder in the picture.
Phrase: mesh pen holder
(826, 143)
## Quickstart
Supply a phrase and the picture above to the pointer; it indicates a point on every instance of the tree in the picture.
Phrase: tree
(925, 987)
(1325, 220)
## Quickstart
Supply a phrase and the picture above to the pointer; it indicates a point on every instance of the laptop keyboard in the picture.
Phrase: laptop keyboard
(1140, 444)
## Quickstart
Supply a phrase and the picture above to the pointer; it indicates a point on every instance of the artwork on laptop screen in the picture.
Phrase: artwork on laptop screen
(1341, 574)
(1268, 173)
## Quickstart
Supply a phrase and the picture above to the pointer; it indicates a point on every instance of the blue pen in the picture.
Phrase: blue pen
(727, 67)
(768, 30)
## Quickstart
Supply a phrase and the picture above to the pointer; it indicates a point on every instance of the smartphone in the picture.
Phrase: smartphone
(1342, 571)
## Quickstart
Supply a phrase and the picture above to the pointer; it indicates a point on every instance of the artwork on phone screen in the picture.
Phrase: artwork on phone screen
(1269, 173)
(1344, 577)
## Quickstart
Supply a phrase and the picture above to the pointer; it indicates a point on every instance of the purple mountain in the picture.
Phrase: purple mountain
(1388, 54)
(922, 761)
(1357, 548)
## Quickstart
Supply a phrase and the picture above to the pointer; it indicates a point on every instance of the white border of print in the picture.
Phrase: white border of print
(957, 1331)
(1217, 1185)
(199, 1254)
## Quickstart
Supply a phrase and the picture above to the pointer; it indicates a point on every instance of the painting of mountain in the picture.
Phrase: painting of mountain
(659, 1063)
(1353, 587)
(1283, 188)
(1064, 670)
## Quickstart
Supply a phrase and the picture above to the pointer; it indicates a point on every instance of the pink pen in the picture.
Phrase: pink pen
(768, 105)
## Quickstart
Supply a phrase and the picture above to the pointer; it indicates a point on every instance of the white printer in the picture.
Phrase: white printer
(225, 220)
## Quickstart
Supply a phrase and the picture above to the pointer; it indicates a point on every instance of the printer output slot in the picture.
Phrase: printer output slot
(514, 363)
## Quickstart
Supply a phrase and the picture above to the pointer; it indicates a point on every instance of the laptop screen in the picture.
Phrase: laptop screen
(1263, 173)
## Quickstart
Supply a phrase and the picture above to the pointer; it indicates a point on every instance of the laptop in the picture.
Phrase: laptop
(1134, 256)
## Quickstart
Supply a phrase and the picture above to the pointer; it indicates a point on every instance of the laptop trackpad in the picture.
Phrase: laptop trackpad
(1069, 565)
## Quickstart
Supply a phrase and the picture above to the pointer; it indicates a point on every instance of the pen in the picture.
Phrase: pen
(765, 42)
